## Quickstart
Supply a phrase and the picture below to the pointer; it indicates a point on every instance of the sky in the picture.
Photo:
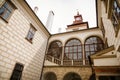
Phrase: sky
(64, 11)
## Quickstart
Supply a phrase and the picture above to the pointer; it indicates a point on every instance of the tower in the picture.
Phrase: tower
(77, 24)
(49, 20)
(78, 18)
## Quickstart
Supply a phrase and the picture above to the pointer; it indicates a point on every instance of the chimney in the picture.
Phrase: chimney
(49, 20)
(59, 30)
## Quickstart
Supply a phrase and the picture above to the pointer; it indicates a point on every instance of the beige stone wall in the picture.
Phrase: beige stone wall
(15, 48)
(106, 62)
(61, 71)
(109, 31)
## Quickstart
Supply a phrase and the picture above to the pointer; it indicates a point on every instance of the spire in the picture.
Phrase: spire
(78, 12)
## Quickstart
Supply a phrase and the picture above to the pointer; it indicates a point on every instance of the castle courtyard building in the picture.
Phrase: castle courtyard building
(29, 52)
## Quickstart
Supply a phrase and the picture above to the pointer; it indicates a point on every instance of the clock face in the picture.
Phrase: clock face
(78, 18)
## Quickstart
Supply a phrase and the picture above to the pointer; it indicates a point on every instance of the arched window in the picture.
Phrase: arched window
(92, 45)
(55, 49)
(73, 49)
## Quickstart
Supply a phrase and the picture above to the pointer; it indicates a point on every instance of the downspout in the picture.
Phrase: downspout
(93, 72)
(44, 58)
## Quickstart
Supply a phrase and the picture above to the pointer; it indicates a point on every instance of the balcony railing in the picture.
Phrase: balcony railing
(53, 59)
(66, 62)
(73, 62)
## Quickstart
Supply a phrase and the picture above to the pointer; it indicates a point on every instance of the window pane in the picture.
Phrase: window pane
(87, 54)
(6, 10)
(31, 33)
(66, 49)
(2, 10)
(79, 55)
(87, 48)
(74, 56)
(5, 5)
(70, 56)
(6, 15)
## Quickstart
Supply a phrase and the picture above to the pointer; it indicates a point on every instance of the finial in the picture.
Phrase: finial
(78, 12)
(36, 9)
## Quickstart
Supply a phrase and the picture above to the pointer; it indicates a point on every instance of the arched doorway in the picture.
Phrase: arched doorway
(72, 76)
(92, 77)
(49, 76)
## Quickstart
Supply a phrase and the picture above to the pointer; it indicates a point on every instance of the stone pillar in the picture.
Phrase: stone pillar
(72, 62)
(62, 55)
(53, 59)
(83, 50)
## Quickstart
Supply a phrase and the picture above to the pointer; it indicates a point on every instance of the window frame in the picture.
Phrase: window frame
(18, 68)
(11, 6)
(55, 45)
(92, 44)
(31, 33)
(72, 52)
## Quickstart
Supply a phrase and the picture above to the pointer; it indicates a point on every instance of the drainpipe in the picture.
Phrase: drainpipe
(93, 72)
(44, 58)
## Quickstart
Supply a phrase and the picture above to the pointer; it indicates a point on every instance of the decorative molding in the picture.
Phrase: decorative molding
(104, 56)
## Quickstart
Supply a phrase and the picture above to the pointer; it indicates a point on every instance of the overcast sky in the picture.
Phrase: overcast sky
(64, 11)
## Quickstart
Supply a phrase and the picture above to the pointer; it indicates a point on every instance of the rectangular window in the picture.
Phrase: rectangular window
(6, 10)
(17, 72)
(115, 18)
(31, 33)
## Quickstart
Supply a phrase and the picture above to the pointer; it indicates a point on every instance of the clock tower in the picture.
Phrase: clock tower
(78, 18)
(78, 24)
